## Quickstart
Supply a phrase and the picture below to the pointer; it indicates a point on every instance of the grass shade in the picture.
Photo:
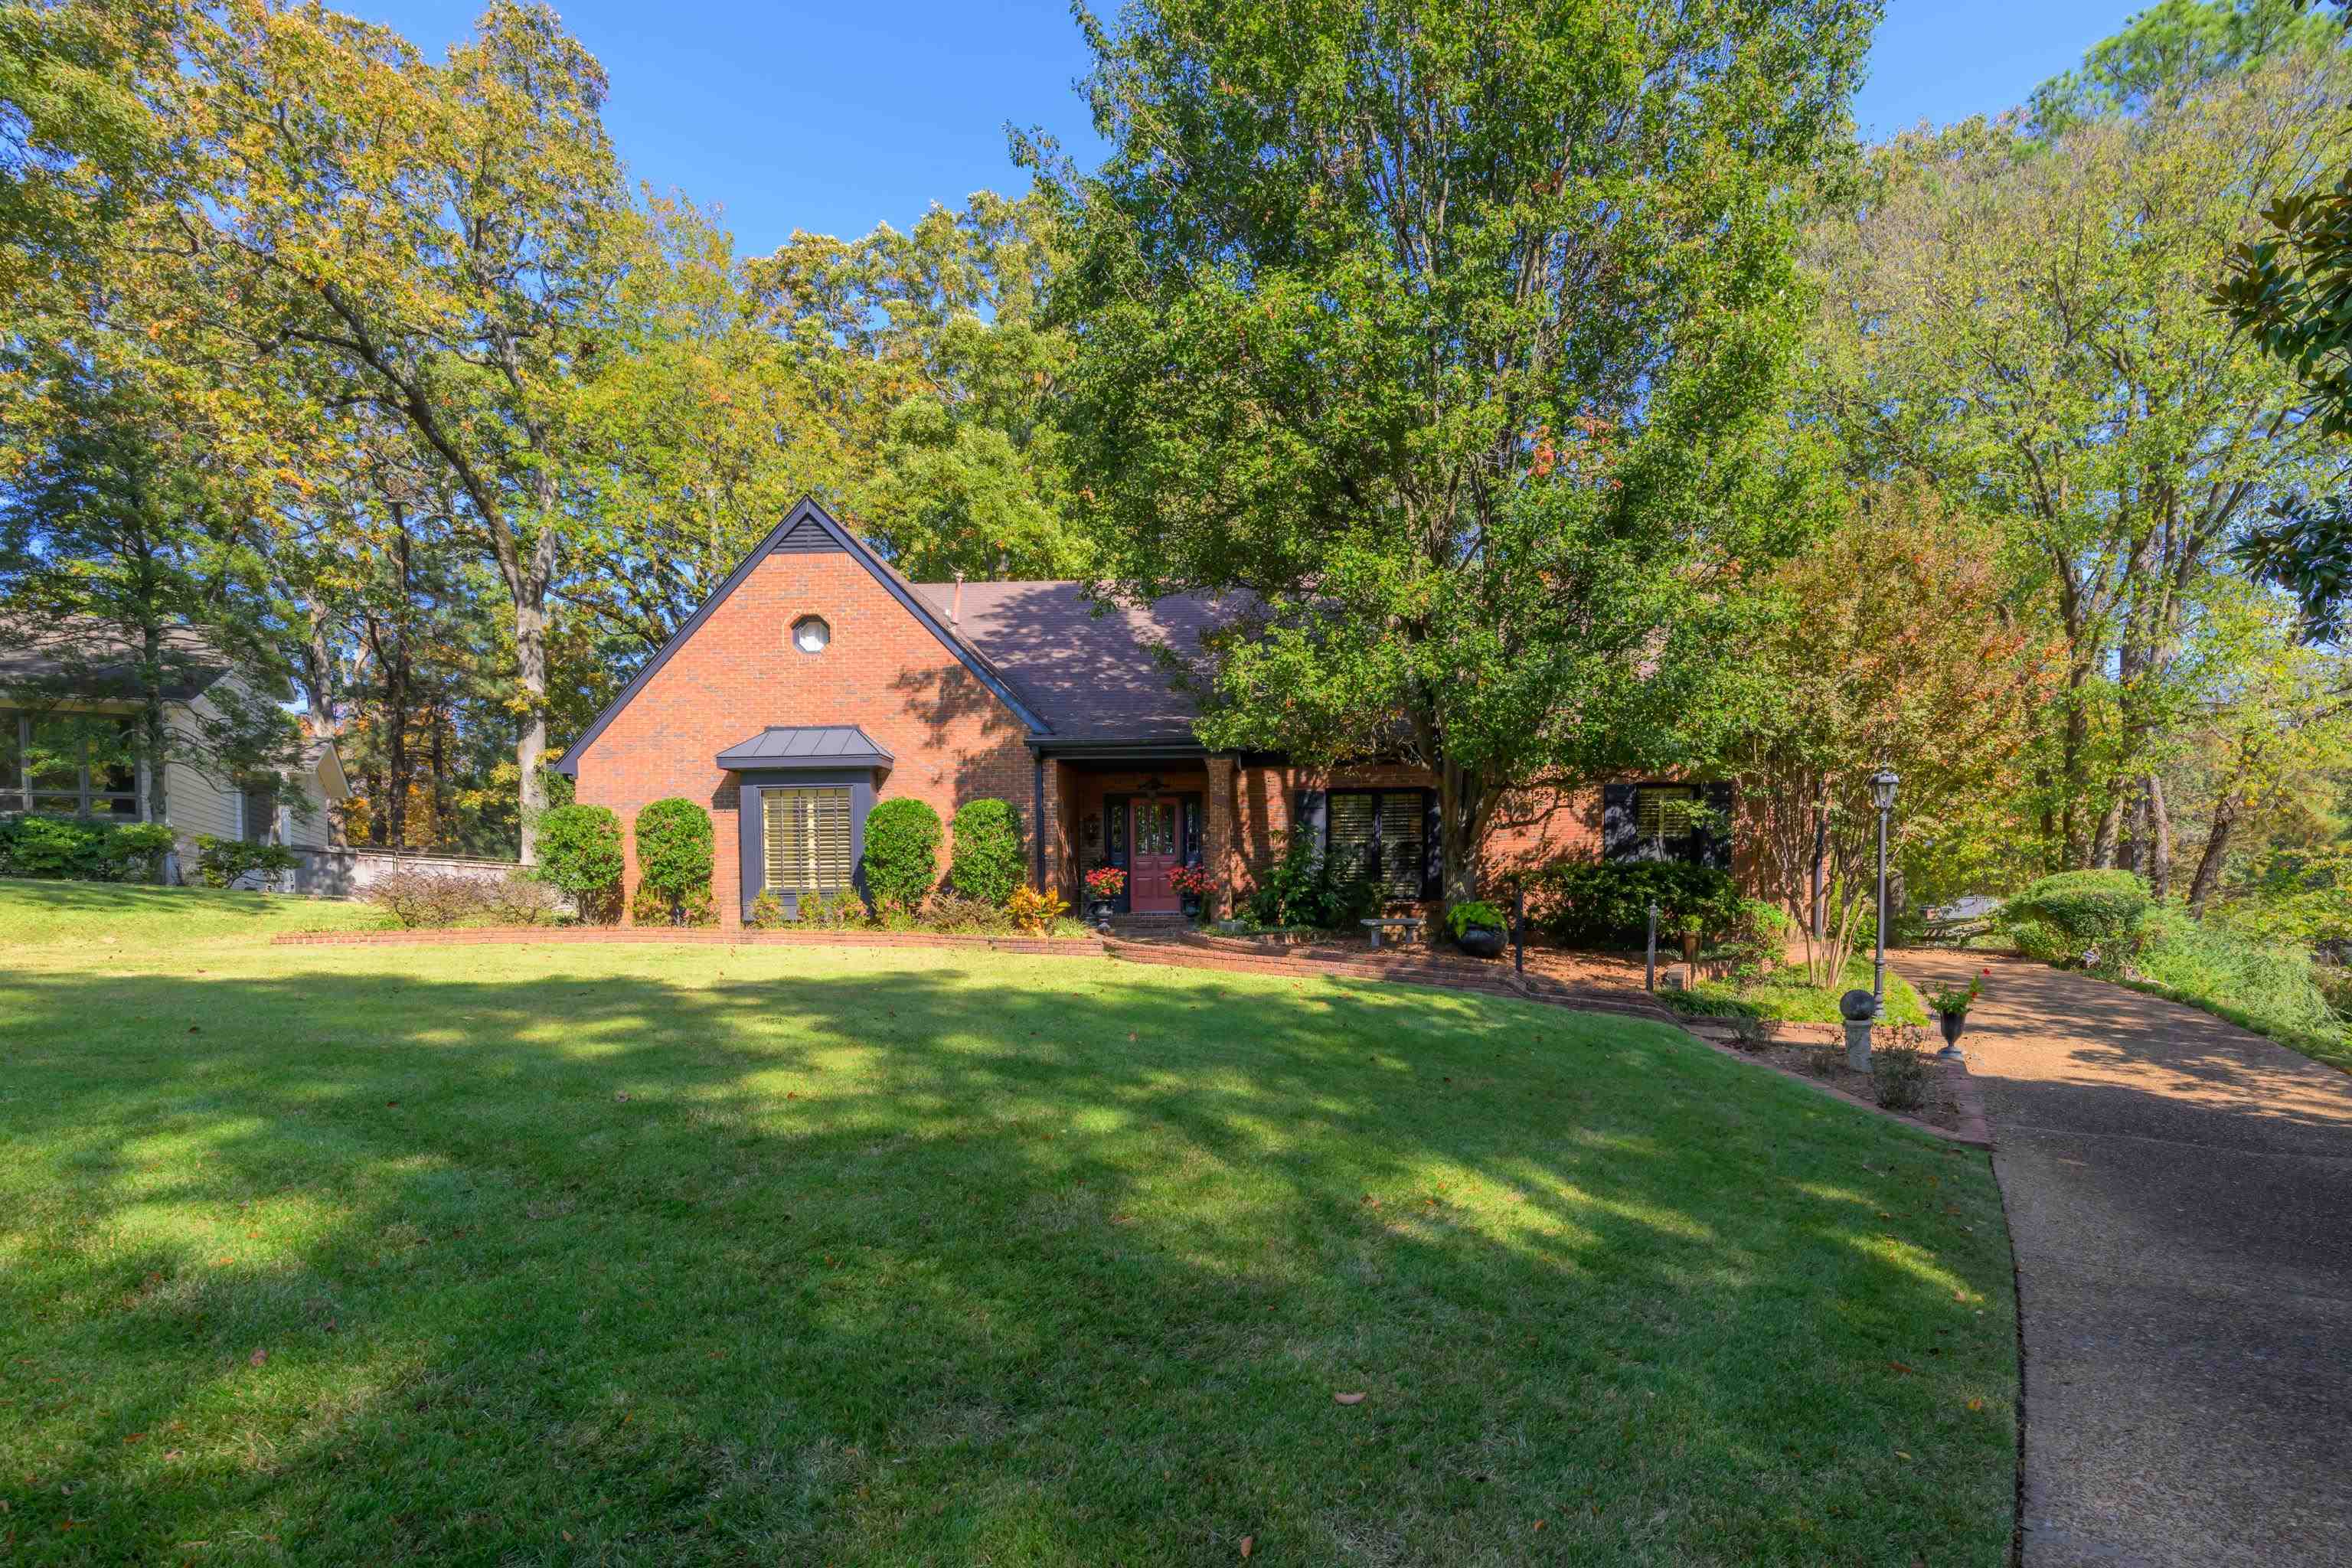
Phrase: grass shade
(1789, 997)
(697, 1254)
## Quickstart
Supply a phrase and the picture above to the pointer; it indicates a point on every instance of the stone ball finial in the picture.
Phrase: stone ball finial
(1857, 1005)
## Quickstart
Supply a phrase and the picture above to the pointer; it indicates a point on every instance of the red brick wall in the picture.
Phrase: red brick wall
(953, 740)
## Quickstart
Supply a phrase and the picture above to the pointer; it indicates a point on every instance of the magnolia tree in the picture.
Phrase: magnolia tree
(1450, 340)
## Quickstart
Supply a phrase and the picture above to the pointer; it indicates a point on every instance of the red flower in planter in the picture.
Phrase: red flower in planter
(1105, 882)
(1194, 881)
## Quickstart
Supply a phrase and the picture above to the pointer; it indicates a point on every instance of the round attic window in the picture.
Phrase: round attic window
(811, 635)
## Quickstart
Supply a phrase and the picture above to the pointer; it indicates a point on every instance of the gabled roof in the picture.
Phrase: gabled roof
(806, 528)
(806, 747)
(1094, 677)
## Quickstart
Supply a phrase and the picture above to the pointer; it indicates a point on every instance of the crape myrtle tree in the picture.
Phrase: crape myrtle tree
(1449, 337)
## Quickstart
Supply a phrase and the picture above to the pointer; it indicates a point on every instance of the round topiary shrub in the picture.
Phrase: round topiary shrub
(580, 854)
(674, 859)
(902, 854)
(986, 861)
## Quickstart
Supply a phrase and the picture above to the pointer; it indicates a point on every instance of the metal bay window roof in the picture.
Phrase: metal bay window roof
(787, 747)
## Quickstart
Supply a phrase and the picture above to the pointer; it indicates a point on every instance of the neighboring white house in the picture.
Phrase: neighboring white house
(52, 687)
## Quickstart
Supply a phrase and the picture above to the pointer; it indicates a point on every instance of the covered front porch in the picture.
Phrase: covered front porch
(1146, 812)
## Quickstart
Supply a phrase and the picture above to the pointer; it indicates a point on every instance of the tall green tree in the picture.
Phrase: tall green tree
(449, 243)
(2021, 316)
(1452, 335)
(929, 359)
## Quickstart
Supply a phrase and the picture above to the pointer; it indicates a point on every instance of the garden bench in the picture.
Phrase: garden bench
(1410, 924)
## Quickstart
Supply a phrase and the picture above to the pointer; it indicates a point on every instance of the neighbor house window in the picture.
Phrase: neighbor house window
(1383, 834)
(80, 764)
(807, 839)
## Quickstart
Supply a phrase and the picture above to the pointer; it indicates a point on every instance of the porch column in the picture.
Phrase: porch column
(1219, 825)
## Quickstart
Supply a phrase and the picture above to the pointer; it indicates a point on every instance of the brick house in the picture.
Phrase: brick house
(816, 681)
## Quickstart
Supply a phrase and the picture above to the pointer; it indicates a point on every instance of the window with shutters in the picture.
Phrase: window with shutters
(807, 839)
(1382, 834)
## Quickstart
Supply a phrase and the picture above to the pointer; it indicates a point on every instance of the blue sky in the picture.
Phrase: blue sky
(837, 117)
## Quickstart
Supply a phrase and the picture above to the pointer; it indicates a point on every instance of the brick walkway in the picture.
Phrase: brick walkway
(2178, 1194)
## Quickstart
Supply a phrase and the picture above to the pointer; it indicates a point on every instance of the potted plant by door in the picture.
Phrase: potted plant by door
(1104, 884)
(1477, 927)
(1951, 1007)
(1195, 886)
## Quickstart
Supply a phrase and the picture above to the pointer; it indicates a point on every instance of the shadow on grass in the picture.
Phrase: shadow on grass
(715, 1255)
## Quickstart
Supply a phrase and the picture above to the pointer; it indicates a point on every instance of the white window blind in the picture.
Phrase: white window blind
(1403, 844)
(1664, 813)
(1351, 821)
(807, 839)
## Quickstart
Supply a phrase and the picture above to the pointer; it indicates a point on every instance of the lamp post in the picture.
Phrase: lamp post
(1882, 791)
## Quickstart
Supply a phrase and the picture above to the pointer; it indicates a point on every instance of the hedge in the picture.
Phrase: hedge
(81, 849)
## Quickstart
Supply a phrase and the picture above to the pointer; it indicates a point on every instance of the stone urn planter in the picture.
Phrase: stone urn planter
(1951, 1024)
(1481, 941)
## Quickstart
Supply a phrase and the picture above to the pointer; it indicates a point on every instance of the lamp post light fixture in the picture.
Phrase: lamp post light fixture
(1882, 792)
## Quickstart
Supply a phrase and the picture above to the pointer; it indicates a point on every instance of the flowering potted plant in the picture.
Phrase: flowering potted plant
(1104, 885)
(1196, 885)
(1951, 1007)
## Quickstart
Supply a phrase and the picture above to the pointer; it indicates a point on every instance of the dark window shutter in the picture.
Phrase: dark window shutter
(1714, 846)
(1432, 872)
(1307, 817)
(1620, 834)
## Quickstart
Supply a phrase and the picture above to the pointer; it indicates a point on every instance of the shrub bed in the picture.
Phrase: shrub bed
(1606, 903)
(81, 849)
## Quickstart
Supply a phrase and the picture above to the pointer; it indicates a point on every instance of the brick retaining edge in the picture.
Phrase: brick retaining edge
(492, 936)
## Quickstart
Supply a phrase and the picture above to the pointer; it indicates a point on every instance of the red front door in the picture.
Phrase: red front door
(1151, 856)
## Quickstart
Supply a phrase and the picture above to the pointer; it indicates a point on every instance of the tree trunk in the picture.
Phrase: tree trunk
(2103, 842)
(2209, 864)
(2159, 839)
(1819, 910)
(531, 747)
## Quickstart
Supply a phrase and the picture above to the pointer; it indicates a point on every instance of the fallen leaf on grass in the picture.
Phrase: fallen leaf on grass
(256, 1358)
(1249, 1544)
(1975, 1405)
(1540, 1524)
(1347, 1398)
(622, 1096)
(1898, 1366)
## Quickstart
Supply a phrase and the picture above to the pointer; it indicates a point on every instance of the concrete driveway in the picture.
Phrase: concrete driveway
(2179, 1193)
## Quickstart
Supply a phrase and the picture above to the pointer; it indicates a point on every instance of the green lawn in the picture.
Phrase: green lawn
(663, 1255)
(1789, 997)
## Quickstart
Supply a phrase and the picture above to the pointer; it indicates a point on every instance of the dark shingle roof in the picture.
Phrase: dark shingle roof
(805, 746)
(1092, 677)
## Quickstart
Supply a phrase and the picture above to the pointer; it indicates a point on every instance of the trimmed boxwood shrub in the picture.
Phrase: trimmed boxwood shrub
(2089, 906)
(673, 861)
(902, 854)
(38, 844)
(1606, 903)
(986, 861)
(579, 854)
